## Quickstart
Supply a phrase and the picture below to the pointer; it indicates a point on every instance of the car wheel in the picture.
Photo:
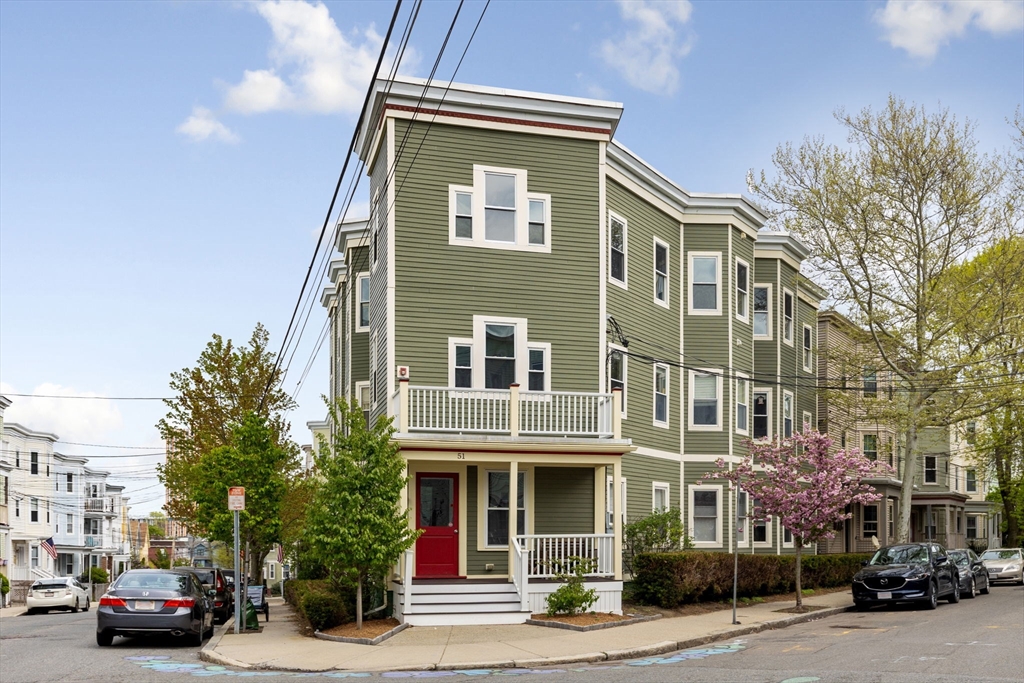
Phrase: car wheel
(860, 606)
(30, 610)
(104, 638)
(972, 590)
(76, 608)
(984, 591)
(933, 598)
(954, 597)
(87, 604)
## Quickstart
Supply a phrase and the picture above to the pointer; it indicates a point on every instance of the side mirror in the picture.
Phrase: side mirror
(940, 560)
(212, 592)
(864, 563)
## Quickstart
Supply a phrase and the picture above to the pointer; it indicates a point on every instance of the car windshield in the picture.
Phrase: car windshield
(1001, 555)
(156, 580)
(901, 554)
(48, 585)
(959, 558)
(205, 577)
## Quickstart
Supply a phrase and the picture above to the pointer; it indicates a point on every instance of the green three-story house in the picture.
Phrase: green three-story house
(551, 321)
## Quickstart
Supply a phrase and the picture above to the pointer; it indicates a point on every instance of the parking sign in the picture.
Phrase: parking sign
(236, 498)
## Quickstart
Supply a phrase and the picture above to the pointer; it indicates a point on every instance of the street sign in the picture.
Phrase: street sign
(236, 498)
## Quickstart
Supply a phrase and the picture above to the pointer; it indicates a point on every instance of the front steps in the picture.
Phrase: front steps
(454, 603)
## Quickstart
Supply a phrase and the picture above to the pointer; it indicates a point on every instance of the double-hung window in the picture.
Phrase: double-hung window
(464, 215)
(870, 383)
(762, 411)
(871, 446)
(759, 527)
(931, 469)
(70, 482)
(499, 356)
(609, 502)
(617, 373)
(538, 221)
(762, 311)
(806, 422)
(705, 399)
(498, 506)
(742, 405)
(497, 212)
(741, 519)
(660, 273)
(660, 395)
(787, 414)
(538, 370)
(972, 481)
(808, 350)
(463, 364)
(34, 557)
(869, 525)
(617, 249)
(33, 463)
(33, 510)
(742, 290)
(705, 295)
(499, 207)
(659, 496)
(972, 526)
(70, 528)
(363, 289)
(787, 316)
(706, 515)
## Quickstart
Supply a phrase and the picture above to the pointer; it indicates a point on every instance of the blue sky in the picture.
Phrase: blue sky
(164, 167)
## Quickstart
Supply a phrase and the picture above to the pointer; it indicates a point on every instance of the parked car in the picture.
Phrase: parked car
(62, 592)
(973, 576)
(1004, 564)
(223, 598)
(908, 572)
(145, 601)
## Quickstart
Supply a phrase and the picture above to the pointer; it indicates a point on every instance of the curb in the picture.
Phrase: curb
(654, 649)
(207, 654)
(362, 641)
(592, 627)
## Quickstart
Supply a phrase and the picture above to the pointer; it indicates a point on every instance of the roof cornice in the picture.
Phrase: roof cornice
(28, 433)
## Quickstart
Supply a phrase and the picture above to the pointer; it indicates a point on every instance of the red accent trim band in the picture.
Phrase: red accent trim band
(492, 119)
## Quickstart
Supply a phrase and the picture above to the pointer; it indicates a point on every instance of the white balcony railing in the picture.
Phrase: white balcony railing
(504, 412)
(545, 552)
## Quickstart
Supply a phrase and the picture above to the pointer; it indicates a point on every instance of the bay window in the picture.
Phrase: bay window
(705, 398)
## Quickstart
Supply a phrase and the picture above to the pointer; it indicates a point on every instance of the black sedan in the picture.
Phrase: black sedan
(973, 575)
(909, 572)
(144, 601)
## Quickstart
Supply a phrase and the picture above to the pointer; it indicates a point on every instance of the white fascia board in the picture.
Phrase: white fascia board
(483, 100)
(70, 458)
(327, 297)
(4, 402)
(770, 243)
(337, 270)
(347, 230)
(27, 433)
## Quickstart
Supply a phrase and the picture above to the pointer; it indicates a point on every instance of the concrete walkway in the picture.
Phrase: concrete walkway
(281, 646)
(13, 611)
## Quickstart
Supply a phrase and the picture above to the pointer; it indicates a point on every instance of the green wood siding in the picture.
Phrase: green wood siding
(742, 334)
(440, 287)
(378, 253)
(640, 472)
(766, 351)
(563, 500)
(652, 329)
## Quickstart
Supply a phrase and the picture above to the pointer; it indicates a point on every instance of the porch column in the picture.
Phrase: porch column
(513, 512)
(403, 405)
(617, 516)
(884, 531)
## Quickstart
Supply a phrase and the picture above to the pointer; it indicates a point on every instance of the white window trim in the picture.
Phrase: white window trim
(768, 286)
(718, 376)
(717, 255)
(625, 375)
(877, 521)
(718, 543)
(359, 288)
(480, 323)
(768, 402)
(807, 420)
(546, 348)
(477, 192)
(609, 492)
(272, 572)
(460, 341)
(668, 273)
(924, 465)
(768, 524)
(745, 521)
(782, 532)
(792, 410)
(782, 315)
(624, 282)
(745, 317)
(742, 377)
(807, 368)
(654, 395)
(663, 486)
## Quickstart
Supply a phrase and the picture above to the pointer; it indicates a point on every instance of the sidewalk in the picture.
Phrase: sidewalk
(13, 611)
(280, 646)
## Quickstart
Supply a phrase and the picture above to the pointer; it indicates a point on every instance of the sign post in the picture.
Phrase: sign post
(236, 502)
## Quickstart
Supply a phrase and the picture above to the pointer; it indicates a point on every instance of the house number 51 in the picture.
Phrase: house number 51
(460, 456)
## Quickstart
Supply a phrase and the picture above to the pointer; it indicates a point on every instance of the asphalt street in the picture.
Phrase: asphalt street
(976, 640)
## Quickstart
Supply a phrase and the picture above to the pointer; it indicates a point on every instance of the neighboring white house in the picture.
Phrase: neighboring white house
(5, 495)
(68, 529)
(104, 522)
(31, 514)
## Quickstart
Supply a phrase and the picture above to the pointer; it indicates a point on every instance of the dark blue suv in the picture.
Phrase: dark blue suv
(909, 572)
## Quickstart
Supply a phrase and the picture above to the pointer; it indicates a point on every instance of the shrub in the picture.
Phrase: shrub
(99, 575)
(323, 609)
(5, 585)
(297, 590)
(659, 532)
(572, 597)
(672, 579)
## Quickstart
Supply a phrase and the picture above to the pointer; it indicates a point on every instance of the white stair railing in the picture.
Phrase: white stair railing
(407, 580)
(544, 552)
(521, 574)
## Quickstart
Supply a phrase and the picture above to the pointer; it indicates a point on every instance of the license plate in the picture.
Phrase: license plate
(145, 605)
(885, 596)
(48, 594)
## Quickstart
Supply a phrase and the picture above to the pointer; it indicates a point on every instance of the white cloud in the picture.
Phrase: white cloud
(647, 54)
(921, 27)
(203, 125)
(314, 67)
(85, 420)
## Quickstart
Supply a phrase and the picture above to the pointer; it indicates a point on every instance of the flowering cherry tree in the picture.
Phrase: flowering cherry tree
(803, 484)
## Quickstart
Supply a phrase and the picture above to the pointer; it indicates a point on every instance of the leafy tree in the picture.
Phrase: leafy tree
(886, 218)
(162, 561)
(258, 462)
(156, 531)
(227, 383)
(804, 485)
(355, 527)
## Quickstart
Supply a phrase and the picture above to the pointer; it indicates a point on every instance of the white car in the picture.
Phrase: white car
(62, 592)
(1004, 564)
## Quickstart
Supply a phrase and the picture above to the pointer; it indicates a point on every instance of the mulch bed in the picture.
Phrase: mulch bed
(585, 619)
(370, 630)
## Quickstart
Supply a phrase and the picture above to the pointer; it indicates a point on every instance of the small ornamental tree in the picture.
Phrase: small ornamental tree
(355, 527)
(807, 487)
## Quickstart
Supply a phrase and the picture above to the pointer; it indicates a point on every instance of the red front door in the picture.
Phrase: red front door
(437, 513)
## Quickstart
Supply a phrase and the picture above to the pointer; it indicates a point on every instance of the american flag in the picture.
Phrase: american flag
(280, 554)
(49, 547)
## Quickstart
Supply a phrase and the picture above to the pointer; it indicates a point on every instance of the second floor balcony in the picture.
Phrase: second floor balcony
(506, 412)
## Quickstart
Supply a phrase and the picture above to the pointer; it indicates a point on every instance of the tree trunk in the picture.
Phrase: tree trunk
(1004, 480)
(909, 470)
(799, 543)
(359, 604)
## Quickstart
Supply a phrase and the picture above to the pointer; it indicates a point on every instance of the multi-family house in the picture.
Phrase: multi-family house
(69, 503)
(5, 494)
(31, 507)
(551, 321)
(983, 518)
(105, 523)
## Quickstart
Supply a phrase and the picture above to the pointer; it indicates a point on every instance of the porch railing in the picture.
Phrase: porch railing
(544, 552)
(520, 573)
(503, 411)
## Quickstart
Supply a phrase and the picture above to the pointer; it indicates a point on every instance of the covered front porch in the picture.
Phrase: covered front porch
(500, 514)
(939, 517)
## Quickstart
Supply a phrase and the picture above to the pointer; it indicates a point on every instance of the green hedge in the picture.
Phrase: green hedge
(319, 604)
(672, 579)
